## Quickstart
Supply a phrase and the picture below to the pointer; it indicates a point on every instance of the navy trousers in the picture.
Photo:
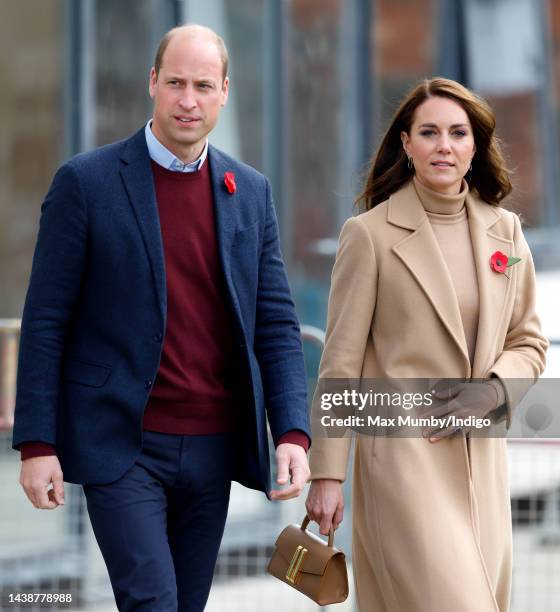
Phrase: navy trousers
(159, 527)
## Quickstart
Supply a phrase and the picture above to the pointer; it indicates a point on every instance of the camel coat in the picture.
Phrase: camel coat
(431, 522)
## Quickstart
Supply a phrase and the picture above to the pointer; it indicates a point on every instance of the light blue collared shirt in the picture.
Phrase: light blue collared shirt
(163, 156)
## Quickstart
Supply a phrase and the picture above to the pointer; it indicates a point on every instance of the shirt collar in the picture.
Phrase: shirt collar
(164, 157)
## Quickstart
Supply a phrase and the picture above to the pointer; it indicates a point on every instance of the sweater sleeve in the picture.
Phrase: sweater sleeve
(36, 449)
(295, 436)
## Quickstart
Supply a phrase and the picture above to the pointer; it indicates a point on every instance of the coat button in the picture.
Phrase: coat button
(158, 337)
(148, 383)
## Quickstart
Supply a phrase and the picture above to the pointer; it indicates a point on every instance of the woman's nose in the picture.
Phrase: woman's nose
(443, 144)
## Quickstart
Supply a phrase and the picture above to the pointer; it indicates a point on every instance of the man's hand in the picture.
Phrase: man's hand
(325, 504)
(292, 464)
(462, 401)
(36, 476)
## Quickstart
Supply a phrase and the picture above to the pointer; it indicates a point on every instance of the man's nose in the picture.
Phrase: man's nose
(188, 99)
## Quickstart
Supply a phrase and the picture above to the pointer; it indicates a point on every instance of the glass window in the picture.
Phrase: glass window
(405, 36)
(347, 68)
(507, 64)
(125, 35)
(239, 131)
(312, 124)
(33, 132)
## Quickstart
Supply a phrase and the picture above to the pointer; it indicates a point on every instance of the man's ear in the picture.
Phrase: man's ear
(225, 91)
(153, 81)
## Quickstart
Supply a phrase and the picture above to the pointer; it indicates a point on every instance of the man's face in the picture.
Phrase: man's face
(188, 94)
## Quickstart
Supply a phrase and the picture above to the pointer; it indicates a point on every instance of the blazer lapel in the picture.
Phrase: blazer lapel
(420, 253)
(225, 207)
(492, 286)
(137, 175)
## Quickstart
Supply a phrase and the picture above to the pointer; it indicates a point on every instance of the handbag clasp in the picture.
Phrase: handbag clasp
(295, 564)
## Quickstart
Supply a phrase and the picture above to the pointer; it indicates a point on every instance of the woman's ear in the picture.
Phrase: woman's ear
(404, 140)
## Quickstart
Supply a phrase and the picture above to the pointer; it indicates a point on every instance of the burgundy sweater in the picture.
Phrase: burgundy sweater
(194, 391)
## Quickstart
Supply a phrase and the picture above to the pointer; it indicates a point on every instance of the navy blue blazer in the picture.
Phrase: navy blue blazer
(95, 315)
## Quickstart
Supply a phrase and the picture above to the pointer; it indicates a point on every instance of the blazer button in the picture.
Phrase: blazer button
(158, 337)
(148, 384)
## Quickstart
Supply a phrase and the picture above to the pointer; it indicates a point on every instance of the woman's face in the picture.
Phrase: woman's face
(440, 143)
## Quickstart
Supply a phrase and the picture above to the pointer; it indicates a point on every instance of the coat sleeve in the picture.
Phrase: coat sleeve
(278, 345)
(522, 359)
(352, 301)
(54, 286)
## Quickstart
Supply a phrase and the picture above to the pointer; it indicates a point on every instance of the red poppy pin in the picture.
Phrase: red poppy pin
(229, 182)
(500, 261)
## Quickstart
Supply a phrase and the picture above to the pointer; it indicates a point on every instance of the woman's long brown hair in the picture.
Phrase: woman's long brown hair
(389, 170)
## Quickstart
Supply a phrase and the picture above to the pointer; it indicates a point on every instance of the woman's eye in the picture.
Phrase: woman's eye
(427, 132)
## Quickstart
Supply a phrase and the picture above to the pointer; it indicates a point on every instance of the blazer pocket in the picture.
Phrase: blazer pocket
(246, 232)
(83, 373)
(245, 244)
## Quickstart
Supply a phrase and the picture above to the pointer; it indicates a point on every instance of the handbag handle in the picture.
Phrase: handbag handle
(306, 522)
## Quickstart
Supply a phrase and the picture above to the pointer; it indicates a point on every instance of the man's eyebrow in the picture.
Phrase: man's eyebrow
(173, 77)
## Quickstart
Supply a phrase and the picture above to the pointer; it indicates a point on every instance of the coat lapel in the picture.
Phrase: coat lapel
(137, 175)
(420, 253)
(492, 286)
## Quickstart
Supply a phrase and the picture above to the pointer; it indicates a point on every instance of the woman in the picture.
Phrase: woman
(417, 292)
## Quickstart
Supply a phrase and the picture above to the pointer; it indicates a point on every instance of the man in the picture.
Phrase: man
(157, 328)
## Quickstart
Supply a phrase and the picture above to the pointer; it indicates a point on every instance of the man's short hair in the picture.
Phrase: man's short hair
(192, 27)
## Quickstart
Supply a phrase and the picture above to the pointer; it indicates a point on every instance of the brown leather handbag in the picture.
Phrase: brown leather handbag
(310, 565)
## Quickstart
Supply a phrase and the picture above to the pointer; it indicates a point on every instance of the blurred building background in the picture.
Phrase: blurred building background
(313, 85)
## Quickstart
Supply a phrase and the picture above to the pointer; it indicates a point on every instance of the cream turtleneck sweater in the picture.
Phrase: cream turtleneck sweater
(449, 221)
